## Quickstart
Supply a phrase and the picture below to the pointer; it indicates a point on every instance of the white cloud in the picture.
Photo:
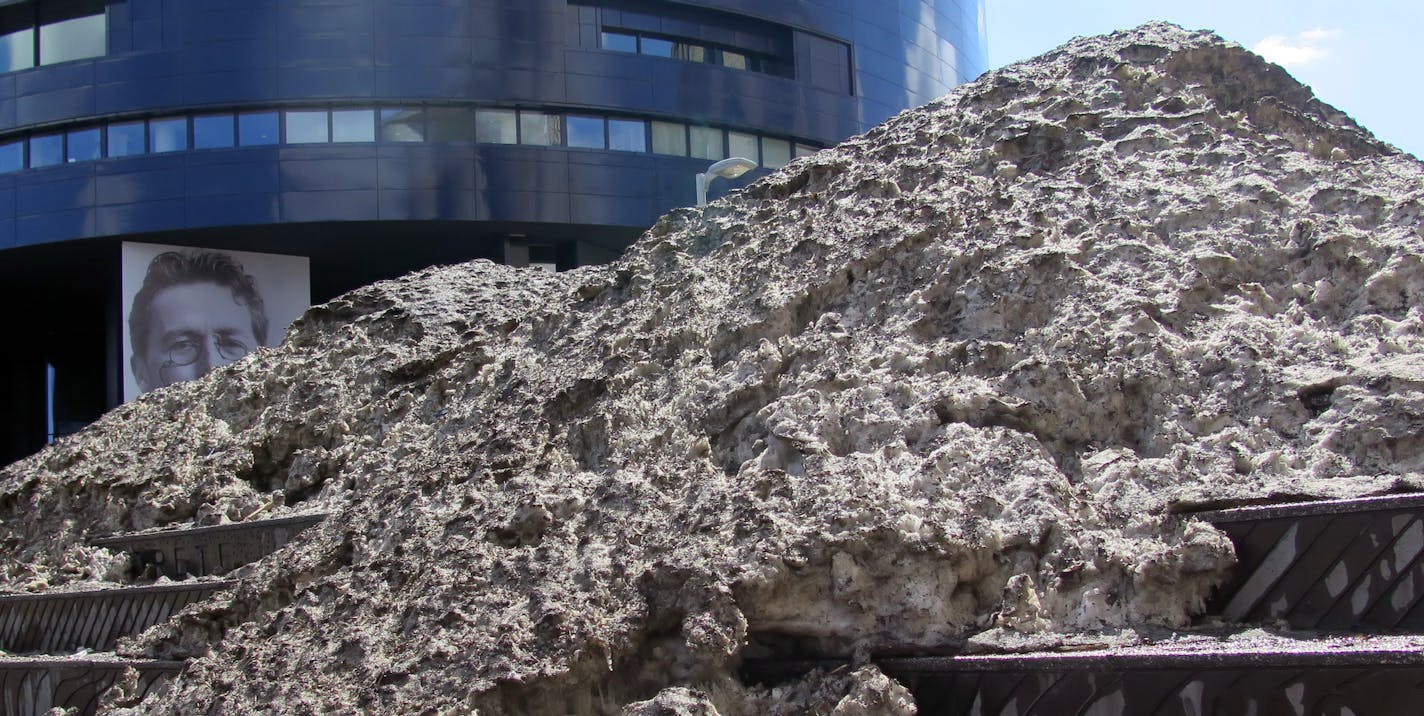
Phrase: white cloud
(1303, 49)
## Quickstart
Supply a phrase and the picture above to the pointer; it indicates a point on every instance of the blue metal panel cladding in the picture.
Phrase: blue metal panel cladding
(856, 63)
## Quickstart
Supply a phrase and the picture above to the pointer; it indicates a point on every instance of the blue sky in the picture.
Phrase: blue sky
(1365, 57)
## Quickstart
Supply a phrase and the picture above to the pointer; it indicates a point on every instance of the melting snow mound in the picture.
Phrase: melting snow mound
(952, 379)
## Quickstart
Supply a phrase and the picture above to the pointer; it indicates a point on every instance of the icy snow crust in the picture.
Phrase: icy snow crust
(950, 379)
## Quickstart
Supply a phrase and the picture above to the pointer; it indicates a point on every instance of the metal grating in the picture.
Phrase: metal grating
(1168, 692)
(65, 622)
(31, 687)
(1334, 565)
(1347, 675)
(206, 551)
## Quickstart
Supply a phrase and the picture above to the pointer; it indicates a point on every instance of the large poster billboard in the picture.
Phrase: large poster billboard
(187, 310)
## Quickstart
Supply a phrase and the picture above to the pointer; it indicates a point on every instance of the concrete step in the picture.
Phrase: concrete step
(1335, 565)
(32, 686)
(66, 622)
(205, 551)
(1193, 675)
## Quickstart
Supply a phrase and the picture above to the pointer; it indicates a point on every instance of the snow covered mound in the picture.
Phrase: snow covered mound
(953, 376)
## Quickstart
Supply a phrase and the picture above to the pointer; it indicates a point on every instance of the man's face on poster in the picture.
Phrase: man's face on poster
(194, 327)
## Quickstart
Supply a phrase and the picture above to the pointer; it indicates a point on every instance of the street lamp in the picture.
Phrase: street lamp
(727, 169)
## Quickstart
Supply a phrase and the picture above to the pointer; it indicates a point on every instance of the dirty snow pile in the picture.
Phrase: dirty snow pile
(955, 378)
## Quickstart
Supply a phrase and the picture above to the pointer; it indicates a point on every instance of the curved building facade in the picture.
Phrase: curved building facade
(372, 137)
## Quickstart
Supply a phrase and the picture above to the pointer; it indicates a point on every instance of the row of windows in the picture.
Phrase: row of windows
(392, 124)
(49, 31)
(679, 48)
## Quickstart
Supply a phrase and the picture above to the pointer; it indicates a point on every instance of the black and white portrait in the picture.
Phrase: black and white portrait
(189, 310)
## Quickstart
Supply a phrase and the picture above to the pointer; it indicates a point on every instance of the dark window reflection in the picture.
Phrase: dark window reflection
(127, 139)
(620, 42)
(450, 124)
(213, 131)
(83, 145)
(46, 150)
(257, 128)
(12, 156)
(657, 47)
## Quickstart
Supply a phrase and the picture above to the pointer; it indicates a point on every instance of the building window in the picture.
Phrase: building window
(734, 60)
(497, 126)
(775, 153)
(45, 32)
(669, 138)
(46, 150)
(17, 37)
(620, 42)
(72, 30)
(586, 132)
(307, 127)
(707, 143)
(691, 50)
(402, 125)
(540, 129)
(741, 144)
(82, 145)
(450, 124)
(353, 125)
(168, 135)
(127, 139)
(257, 129)
(490, 125)
(12, 156)
(673, 49)
(213, 131)
(628, 135)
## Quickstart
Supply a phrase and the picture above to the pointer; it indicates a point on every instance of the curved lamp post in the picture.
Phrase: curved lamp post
(727, 169)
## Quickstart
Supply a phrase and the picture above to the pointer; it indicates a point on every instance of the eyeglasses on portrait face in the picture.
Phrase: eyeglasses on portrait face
(188, 348)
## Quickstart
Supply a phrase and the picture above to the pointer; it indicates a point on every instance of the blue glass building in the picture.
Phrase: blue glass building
(379, 136)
